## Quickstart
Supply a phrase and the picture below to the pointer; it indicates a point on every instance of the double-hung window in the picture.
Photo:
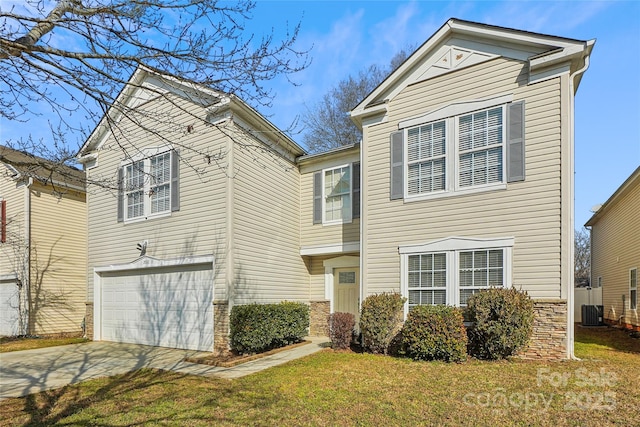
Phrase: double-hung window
(426, 156)
(633, 288)
(449, 271)
(336, 194)
(480, 148)
(458, 149)
(148, 186)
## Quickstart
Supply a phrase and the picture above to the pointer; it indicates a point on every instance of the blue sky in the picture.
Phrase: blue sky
(347, 36)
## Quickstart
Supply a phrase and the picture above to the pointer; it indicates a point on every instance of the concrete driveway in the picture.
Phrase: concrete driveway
(32, 371)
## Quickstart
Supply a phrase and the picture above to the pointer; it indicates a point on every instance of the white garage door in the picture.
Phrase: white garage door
(9, 300)
(160, 307)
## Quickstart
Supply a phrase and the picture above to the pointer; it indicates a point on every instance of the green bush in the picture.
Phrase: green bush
(256, 328)
(435, 332)
(380, 321)
(341, 329)
(502, 322)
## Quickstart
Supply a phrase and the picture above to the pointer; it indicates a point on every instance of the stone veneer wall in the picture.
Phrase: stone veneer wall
(88, 321)
(220, 327)
(549, 338)
(319, 318)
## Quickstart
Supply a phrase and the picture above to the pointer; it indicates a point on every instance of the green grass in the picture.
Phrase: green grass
(342, 388)
(29, 343)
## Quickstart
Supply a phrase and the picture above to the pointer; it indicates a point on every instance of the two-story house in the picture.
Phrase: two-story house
(463, 181)
(42, 246)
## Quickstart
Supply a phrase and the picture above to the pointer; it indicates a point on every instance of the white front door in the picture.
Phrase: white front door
(345, 290)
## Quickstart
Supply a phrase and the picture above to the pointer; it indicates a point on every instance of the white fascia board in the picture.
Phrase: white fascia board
(145, 262)
(330, 249)
(11, 277)
(457, 244)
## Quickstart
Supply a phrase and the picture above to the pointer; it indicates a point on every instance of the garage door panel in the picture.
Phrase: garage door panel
(171, 309)
(9, 313)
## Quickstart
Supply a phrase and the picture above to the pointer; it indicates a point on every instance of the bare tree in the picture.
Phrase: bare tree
(582, 258)
(67, 60)
(328, 122)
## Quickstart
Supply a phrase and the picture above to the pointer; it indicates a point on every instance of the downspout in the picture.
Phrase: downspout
(571, 290)
(26, 286)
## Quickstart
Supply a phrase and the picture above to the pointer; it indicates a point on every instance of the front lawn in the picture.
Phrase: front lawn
(342, 388)
(29, 343)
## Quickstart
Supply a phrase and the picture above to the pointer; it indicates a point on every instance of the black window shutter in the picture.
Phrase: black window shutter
(317, 198)
(515, 142)
(356, 190)
(397, 165)
(120, 194)
(175, 181)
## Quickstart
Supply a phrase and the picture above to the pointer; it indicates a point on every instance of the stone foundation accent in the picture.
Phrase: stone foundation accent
(549, 338)
(319, 318)
(220, 326)
(88, 321)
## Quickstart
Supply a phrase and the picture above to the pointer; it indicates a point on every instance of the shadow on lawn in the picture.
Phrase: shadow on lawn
(618, 339)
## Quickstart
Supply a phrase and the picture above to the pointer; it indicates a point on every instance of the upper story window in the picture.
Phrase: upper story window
(149, 187)
(462, 151)
(480, 145)
(336, 194)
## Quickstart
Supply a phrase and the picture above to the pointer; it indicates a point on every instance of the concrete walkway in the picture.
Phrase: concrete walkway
(32, 371)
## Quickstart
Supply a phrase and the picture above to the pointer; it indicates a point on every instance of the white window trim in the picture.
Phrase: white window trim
(452, 158)
(452, 246)
(636, 288)
(145, 155)
(324, 197)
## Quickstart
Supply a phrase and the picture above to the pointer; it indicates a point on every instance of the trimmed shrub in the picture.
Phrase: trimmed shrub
(381, 321)
(255, 328)
(341, 329)
(435, 332)
(502, 322)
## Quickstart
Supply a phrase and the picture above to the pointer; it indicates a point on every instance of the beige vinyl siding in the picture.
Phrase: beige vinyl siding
(58, 260)
(319, 234)
(528, 211)
(266, 234)
(15, 198)
(198, 228)
(615, 248)
(316, 276)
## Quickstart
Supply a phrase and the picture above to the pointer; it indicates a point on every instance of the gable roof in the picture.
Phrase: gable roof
(146, 82)
(627, 185)
(458, 44)
(20, 165)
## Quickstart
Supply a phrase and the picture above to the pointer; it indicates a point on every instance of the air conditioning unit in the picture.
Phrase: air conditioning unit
(592, 315)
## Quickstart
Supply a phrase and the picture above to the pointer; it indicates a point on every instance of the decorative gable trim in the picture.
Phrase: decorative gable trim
(456, 109)
(458, 244)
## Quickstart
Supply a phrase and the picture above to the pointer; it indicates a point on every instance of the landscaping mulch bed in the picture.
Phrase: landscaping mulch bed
(230, 359)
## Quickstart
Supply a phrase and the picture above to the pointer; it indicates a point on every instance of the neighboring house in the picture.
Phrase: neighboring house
(467, 164)
(463, 180)
(615, 253)
(42, 246)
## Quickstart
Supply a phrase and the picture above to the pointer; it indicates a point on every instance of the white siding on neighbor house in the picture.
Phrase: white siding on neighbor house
(198, 228)
(615, 249)
(266, 233)
(58, 260)
(529, 210)
(15, 197)
(319, 234)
